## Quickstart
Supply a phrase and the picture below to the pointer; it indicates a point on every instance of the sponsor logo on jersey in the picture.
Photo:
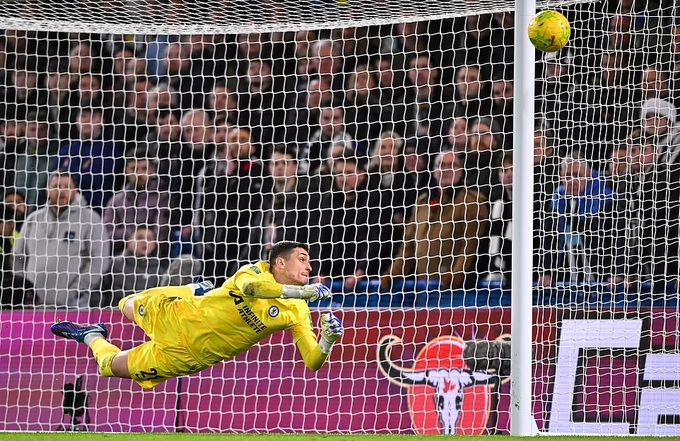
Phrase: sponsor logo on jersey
(255, 269)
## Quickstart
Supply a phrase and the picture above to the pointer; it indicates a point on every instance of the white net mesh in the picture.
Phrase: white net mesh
(153, 143)
(235, 16)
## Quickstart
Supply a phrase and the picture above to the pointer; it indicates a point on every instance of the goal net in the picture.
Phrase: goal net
(154, 143)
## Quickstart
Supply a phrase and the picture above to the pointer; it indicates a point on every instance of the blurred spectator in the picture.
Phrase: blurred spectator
(136, 269)
(15, 291)
(503, 96)
(155, 53)
(484, 153)
(559, 98)
(331, 131)
(201, 63)
(500, 225)
(8, 232)
(657, 211)
(361, 110)
(416, 166)
(394, 95)
(121, 57)
(224, 101)
(12, 141)
(297, 65)
(196, 150)
(659, 120)
(302, 116)
(26, 94)
(442, 236)
(608, 111)
(656, 83)
(458, 135)
(357, 44)
(296, 201)
(618, 171)
(168, 146)
(83, 59)
(177, 67)
(14, 200)
(624, 37)
(133, 124)
(502, 42)
(586, 240)
(391, 201)
(93, 161)
(57, 89)
(434, 103)
(140, 202)
(161, 98)
(325, 174)
(230, 206)
(471, 96)
(62, 249)
(327, 63)
(500, 229)
(88, 92)
(408, 38)
(265, 107)
(546, 166)
(34, 160)
(344, 223)
(472, 42)
(250, 47)
(674, 57)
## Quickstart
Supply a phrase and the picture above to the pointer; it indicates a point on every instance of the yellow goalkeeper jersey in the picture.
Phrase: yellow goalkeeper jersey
(226, 322)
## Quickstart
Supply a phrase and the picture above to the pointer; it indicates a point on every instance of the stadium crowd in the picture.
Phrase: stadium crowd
(136, 161)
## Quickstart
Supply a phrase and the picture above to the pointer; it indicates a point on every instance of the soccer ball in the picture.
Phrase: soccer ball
(549, 31)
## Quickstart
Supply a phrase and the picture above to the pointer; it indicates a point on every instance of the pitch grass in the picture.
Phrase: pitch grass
(89, 436)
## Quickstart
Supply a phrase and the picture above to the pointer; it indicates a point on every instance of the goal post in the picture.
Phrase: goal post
(522, 418)
(457, 188)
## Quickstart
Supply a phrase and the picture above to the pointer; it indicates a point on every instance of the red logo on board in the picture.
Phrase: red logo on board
(445, 394)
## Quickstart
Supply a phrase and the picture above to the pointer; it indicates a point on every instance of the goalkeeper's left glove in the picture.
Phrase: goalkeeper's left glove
(331, 331)
(201, 288)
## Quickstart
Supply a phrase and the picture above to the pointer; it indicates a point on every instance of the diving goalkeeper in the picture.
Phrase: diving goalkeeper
(194, 327)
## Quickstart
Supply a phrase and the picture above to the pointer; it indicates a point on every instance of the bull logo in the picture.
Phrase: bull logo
(453, 385)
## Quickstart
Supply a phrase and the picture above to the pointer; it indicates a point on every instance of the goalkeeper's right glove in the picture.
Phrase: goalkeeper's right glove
(313, 292)
(331, 331)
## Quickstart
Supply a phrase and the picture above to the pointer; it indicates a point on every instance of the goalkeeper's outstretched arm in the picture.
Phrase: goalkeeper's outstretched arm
(254, 286)
(315, 354)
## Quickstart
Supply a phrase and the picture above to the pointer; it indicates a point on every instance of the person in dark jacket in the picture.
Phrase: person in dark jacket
(296, 204)
(344, 223)
(585, 236)
(231, 206)
(136, 269)
(93, 161)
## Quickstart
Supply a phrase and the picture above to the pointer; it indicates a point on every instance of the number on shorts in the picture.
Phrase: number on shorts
(151, 375)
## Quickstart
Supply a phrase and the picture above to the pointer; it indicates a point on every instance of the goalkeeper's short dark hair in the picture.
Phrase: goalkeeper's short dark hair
(284, 249)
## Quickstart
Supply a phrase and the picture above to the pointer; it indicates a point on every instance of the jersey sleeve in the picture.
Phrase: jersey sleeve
(251, 281)
(306, 343)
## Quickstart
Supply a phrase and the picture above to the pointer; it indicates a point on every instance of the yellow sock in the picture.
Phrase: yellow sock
(104, 352)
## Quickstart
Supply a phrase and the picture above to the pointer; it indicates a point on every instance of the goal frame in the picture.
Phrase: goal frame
(521, 417)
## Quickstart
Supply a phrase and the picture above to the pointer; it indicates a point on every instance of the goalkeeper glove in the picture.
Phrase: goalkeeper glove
(331, 330)
(313, 292)
(201, 288)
